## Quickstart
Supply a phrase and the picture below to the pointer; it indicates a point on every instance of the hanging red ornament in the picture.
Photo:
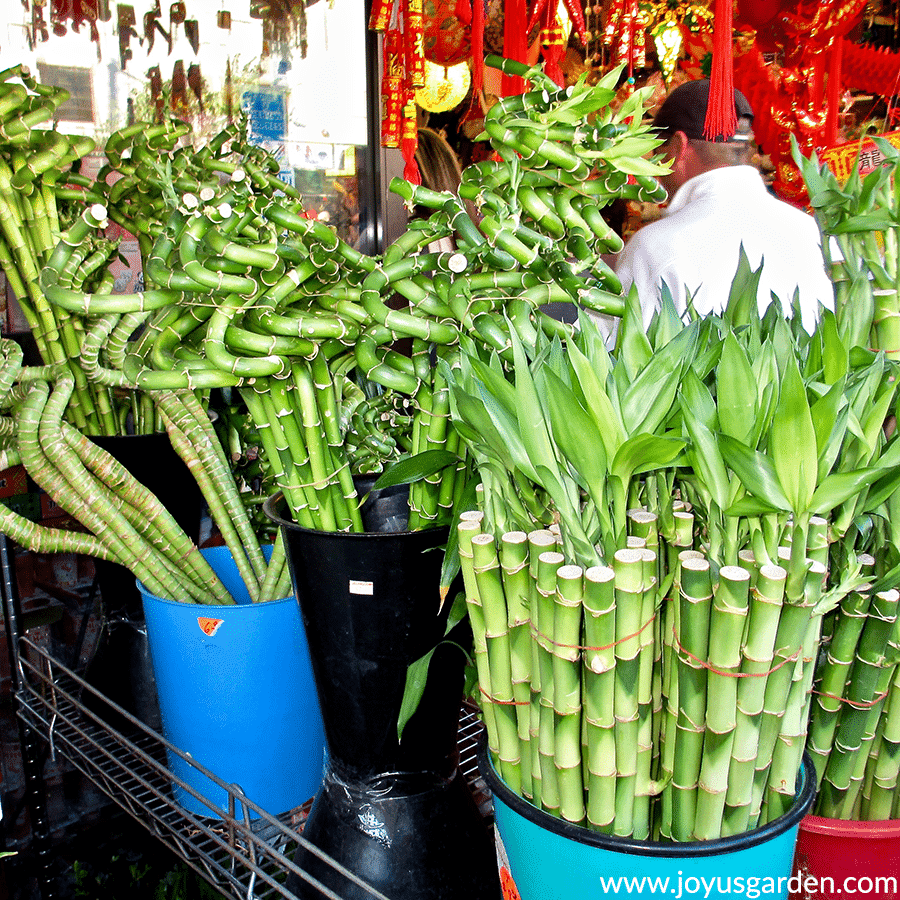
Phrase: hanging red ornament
(392, 89)
(447, 31)
(553, 43)
(409, 142)
(515, 44)
(380, 14)
(477, 45)
(721, 118)
(414, 43)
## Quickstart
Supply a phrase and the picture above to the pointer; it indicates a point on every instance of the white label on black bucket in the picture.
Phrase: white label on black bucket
(362, 587)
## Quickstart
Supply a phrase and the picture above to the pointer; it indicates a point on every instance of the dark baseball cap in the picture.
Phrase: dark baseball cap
(685, 110)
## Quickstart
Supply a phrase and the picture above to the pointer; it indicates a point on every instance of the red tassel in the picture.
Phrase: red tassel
(477, 45)
(515, 43)
(409, 143)
(463, 12)
(834, 93)
(721, 118)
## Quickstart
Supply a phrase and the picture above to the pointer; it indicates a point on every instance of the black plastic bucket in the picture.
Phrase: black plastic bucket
(394, 812)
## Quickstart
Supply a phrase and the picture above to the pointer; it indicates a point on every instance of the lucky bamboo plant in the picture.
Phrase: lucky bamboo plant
(246, 294)
(647, 575)
(853, 737)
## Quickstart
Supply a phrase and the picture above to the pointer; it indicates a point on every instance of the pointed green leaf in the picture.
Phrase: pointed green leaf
(644, 453)
(838, 488)
(574, 432)
(707, 460)
(792, 441)
(735, 391)
(416, 468)
(606, 418)
(755, 471)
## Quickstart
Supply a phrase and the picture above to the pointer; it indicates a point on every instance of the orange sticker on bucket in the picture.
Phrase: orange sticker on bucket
(508, 886)
(209, 626)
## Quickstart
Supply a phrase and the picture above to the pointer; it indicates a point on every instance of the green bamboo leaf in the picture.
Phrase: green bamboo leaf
(835, 354)
(696, 399)
(574, 432)
(632, 345)
(416, 468)
(494, 381)
(707, 460)
(755, 471)
(792, 440)
(604, 414)
(882, 490)
(873, 221)
(742, 307)
(417, 671)
(647, 401)
(532, 425)
(511, 446)
(735, 391)
(838, 488)
(645, 453)
(829, 415)
(747, 507)
(666, 322)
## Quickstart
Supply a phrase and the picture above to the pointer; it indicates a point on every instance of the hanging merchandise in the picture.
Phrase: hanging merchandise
(557, 18)
(403, 47)
(284, 26)
(73, 14)
(789, 96)
(624, 35)
(445, 87)
(447, 31)
(672, 26)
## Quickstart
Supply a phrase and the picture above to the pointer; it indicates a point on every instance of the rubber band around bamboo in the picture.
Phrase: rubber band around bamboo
(322, 482)
(491, 699)
(704, 664)
(628, 637)
(854, 704)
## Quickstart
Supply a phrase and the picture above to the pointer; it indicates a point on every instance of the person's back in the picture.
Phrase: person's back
(719, 203)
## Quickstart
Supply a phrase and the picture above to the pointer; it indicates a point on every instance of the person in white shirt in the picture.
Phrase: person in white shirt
(718, 202)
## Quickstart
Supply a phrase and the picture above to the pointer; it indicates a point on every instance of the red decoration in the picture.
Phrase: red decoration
(756, 13)
(447, 31)
(414, 37)
(515, 43)
(788, 98)
(875, 70)
(721, 119)
(553, 43)
(403, 71)
(625, 35)
(391, 89)
(409, 141)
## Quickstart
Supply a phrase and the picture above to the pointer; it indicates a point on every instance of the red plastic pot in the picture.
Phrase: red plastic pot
(836, 858)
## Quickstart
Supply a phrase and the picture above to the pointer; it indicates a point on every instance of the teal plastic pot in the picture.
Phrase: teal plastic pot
(549, 859)
(236, 693)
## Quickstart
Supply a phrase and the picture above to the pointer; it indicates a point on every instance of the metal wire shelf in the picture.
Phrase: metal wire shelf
(245, 855)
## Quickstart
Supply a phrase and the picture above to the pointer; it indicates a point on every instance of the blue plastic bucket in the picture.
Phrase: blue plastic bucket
(236, 693)
(549, 859)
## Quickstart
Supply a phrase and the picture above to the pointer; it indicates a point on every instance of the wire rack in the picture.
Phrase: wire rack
(244, 852)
